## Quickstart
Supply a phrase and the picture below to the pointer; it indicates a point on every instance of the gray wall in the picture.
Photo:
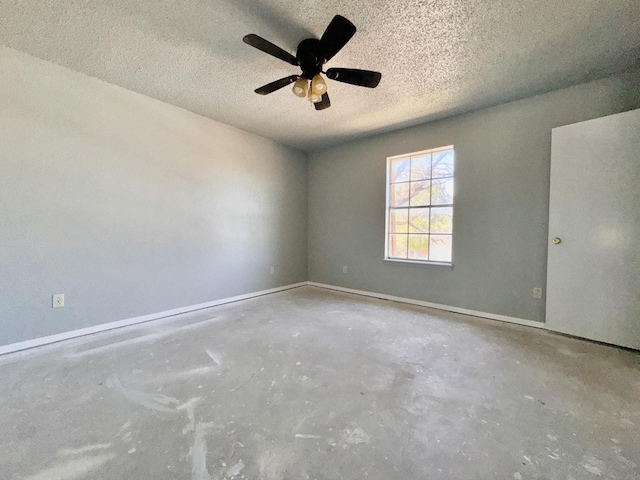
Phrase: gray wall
(501, 202)
(130, 206)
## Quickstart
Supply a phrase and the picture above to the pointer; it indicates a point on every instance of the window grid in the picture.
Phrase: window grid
(409, 242)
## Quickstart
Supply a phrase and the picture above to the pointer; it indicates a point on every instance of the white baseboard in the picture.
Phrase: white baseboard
(437, 306)
(39, 342)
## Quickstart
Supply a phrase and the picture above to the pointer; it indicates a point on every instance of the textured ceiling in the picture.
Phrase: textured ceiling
(437, 57)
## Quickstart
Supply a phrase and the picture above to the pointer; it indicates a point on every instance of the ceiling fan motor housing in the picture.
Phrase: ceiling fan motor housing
(310, 57)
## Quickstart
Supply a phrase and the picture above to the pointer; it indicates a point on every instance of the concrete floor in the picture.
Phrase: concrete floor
(313, 384)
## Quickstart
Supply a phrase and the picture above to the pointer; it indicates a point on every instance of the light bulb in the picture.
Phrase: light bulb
(318, 84)
(301, 87)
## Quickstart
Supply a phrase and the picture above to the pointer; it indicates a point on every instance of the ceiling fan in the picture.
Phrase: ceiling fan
(311, 56)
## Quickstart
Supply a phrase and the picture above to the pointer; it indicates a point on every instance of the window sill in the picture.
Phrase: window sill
(417, 262)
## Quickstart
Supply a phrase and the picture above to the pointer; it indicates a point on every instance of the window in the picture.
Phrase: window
(420, 206)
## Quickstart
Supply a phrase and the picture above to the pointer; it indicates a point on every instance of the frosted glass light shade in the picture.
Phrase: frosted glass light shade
(318, 85)
(314, 97)
(301, 87)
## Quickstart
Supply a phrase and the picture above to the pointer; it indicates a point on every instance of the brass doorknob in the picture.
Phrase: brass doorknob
(556, 240)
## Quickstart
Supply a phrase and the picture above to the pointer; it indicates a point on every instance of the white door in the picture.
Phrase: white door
(593, 274)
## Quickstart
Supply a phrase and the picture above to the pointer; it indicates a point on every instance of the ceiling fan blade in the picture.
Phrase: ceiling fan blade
(268, 47)
(277, 85)
(324, 103)
(336, 36)
(362, 78)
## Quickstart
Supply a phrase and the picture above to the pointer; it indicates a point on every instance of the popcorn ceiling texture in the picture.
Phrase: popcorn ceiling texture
(437, 58)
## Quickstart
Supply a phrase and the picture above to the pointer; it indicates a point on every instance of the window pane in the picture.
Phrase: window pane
(419, 220)
(420, 203)
(399, 195)
(442, 191)
(398, 246)
(420, 193)
(421, 167)
(443, 164)
(441, 220)
(398, 221)
(419, 247)
(440, 247)
(400, 170)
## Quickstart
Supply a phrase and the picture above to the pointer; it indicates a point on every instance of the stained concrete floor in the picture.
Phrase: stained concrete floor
(313, 384)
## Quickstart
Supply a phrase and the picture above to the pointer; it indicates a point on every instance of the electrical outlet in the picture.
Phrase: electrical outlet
(345, 269)
(272, 270)
(57, 300)
(537, 292)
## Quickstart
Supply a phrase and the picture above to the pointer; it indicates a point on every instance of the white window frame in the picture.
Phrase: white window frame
(388, 207)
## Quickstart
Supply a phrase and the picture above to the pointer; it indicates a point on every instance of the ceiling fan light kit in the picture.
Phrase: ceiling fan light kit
(311, 56)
